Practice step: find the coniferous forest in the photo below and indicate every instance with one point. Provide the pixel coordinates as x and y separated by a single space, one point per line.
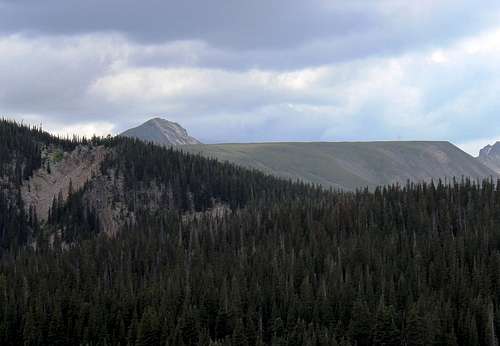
280 263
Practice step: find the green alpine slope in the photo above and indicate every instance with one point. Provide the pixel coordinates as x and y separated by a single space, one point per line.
351 165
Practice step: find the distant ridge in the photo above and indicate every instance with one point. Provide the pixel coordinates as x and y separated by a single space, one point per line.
340 165
352 165
162 132
490 156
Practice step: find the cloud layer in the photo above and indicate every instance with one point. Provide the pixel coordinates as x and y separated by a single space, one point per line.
261 71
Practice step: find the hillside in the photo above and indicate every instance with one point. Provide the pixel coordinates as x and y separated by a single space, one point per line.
351 165
147 245
104 184
161 132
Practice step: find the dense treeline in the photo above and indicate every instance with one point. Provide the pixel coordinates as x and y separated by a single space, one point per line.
73 219
15 225
182 181
286 264
149 177
21 149
192 182
21 153
416 266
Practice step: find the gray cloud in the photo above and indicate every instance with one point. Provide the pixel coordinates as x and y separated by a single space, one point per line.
229 23
256 70
260 33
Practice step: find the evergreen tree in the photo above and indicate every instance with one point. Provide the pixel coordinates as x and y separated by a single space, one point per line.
148 331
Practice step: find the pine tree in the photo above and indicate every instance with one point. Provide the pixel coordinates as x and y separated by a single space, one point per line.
148 331
385 331
239 337
417 333
361 323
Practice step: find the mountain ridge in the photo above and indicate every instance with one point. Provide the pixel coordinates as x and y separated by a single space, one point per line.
339 165
352 165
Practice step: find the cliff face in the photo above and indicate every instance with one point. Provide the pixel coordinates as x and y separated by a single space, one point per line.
77 170
106 193
60 170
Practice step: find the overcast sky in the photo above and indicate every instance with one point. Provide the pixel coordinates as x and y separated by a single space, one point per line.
259 70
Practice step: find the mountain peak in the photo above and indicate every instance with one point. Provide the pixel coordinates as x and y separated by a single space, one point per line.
490 150
161 131
490 156
161 121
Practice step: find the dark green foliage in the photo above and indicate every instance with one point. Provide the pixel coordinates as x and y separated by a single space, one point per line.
418 331
21 146
361 323
288 264
385 331
193 183
20 155
75 218
148 331
15 225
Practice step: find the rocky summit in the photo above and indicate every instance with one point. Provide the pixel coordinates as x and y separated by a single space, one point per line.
162 132
490 156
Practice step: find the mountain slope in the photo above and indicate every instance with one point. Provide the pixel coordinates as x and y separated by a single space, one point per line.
162 132
76 188
213 254
351 165
490 157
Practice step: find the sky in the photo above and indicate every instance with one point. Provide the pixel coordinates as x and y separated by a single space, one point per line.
254 71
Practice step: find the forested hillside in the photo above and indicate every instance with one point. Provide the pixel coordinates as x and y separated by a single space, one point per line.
213 254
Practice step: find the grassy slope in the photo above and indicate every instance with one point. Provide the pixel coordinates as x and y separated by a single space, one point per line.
351 165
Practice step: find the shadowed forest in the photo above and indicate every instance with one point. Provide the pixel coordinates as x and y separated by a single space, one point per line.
282 263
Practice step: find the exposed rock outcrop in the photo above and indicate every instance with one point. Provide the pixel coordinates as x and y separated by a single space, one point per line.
59 171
